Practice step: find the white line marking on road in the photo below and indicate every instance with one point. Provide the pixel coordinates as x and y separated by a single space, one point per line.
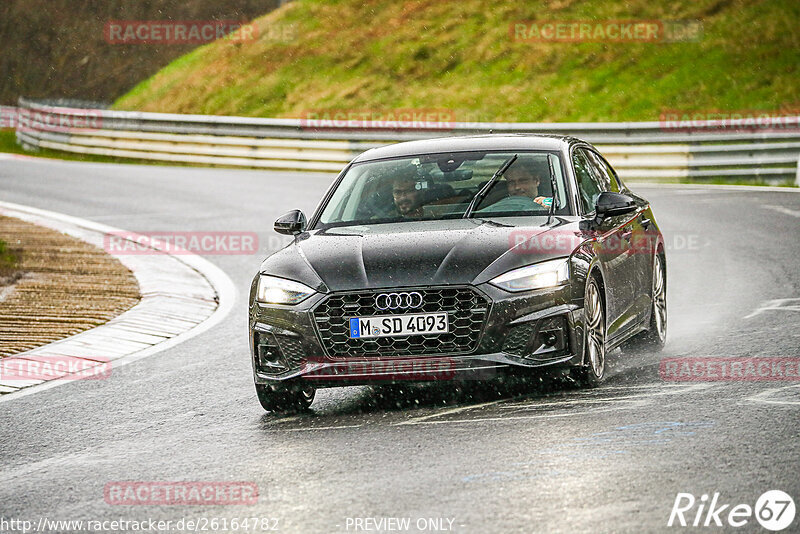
763 397
539 416
457 409
777 305
662 390
625 402
533 406
311 428
644 386
781 209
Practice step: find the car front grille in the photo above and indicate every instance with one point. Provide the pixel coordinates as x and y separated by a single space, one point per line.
466 308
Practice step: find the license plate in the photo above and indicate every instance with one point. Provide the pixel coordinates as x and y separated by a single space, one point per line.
398 325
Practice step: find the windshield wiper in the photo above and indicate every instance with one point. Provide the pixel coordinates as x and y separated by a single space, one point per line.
494 223
552 188
480 195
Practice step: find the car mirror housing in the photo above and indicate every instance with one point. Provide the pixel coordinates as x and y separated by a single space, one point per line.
291 223
609 204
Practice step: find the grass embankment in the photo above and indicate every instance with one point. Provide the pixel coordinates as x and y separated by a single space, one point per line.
384 55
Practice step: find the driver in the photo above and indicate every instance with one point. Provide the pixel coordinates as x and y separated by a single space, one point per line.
523 178
407 198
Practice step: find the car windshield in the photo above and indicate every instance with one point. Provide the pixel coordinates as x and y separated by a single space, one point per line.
442 186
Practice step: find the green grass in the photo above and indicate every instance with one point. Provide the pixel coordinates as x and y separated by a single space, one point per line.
381 55
9 260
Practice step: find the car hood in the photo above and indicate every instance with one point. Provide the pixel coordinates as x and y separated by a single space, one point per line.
458 251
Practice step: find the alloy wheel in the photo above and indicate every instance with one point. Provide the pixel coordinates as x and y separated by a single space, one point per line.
595 330
659 299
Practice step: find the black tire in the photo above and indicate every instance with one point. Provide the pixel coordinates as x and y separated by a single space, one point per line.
654 338
285 397
592 372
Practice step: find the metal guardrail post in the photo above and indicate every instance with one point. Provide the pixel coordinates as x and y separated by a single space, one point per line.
797 177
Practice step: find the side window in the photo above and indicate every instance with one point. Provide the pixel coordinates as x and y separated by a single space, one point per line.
605 171
589 182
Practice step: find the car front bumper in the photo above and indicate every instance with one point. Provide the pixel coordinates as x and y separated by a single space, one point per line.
532 329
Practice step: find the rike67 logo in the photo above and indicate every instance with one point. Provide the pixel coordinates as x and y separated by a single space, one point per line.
774 510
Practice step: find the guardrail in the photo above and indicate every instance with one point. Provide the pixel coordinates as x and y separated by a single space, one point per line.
708 149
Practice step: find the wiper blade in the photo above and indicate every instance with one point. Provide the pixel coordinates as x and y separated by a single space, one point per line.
497 223
480 195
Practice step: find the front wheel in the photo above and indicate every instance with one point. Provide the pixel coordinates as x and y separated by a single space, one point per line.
592 372
285 397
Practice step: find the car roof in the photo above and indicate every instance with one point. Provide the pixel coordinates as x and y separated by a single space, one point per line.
471 143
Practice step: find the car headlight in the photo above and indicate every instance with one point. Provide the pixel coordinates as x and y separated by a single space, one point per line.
539 276
273 290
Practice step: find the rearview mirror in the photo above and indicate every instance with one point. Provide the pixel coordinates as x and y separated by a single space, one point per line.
458 175
292 223
609 204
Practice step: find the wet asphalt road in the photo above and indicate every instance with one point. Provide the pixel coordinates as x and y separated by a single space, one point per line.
477 458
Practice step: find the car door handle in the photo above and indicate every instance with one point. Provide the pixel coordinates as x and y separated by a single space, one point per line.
646 223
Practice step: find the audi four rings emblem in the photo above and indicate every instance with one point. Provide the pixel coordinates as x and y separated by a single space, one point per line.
396 301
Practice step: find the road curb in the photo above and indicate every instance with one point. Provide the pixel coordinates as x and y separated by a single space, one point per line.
182 295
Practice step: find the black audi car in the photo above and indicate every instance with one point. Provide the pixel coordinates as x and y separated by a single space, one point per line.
448 258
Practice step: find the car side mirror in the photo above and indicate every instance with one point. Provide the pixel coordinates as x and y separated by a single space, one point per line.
292 223
609 204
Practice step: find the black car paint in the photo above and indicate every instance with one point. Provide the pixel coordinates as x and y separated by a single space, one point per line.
471 252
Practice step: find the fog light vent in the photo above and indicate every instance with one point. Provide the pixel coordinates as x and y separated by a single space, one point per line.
541 340
268 355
